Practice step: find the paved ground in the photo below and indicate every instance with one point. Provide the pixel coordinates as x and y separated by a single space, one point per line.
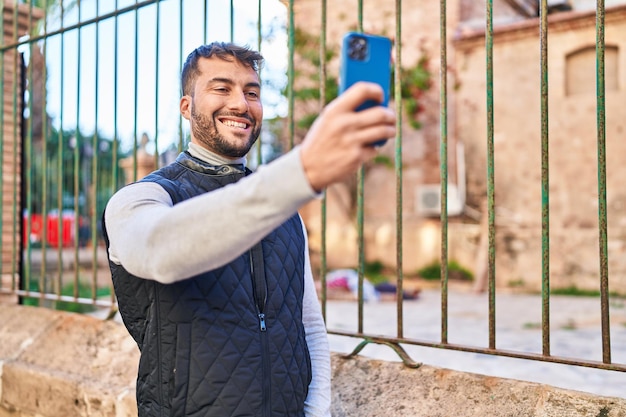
575 332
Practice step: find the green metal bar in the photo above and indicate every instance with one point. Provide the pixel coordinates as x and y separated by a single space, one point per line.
232 21
115 162
360 200
157 42
324 208
206 20
404 356
115 151
80 24
16 216
93 206
60 166
290 75
28 164
399 171
77 170
2 138
488 351
361 242
545 182
136 95
65 298
259 44
181 139
602 207
491 179
44 159
259 27
443 152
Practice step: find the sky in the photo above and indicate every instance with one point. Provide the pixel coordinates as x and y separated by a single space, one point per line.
82 64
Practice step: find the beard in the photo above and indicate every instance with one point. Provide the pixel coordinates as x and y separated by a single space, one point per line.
204 129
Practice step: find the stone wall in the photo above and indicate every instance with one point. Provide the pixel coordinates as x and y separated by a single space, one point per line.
56 364
573 146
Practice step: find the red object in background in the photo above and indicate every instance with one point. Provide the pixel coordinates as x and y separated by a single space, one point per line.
67 229
36 229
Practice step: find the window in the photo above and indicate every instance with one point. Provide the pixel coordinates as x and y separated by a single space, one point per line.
580 70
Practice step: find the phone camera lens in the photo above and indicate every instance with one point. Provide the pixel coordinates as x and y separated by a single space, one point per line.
358 48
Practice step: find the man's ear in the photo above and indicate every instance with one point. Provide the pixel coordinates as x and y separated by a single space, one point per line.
185 107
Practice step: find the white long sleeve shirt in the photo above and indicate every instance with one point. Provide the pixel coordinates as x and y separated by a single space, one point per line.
210 230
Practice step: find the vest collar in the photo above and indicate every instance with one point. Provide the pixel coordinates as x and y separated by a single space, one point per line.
199 165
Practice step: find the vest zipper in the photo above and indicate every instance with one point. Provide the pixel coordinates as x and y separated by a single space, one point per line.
259 284
262 320
259 289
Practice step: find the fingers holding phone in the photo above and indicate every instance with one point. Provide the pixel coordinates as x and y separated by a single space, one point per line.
351 127
342 139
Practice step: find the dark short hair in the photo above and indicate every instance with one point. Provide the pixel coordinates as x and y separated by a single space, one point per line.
223 50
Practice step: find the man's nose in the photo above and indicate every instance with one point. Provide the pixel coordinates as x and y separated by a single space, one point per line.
238 102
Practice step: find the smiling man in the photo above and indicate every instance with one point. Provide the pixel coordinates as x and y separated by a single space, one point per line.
210 261
229 130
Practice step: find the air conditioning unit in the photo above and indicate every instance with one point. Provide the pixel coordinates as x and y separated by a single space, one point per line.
559 6
429 200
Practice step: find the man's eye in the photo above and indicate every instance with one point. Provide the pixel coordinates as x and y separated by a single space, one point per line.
253 94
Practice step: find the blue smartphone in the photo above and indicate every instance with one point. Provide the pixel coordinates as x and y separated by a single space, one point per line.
366 57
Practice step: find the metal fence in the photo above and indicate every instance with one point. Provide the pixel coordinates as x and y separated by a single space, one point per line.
88 92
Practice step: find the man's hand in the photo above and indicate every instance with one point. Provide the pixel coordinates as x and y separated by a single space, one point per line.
341 139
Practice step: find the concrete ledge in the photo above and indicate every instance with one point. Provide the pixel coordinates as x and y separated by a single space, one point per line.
62 364
55 364
364 387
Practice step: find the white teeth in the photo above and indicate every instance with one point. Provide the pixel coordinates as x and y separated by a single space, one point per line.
232 123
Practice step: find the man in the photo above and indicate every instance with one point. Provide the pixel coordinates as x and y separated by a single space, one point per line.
210 262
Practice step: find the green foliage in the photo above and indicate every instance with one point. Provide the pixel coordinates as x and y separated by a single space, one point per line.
307 121
308 49
456 271
574 291
374 267
374 271
65 177
415 82
519 283
53 9
384 160
52 6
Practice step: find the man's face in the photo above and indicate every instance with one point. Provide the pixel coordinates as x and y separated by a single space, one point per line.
225 110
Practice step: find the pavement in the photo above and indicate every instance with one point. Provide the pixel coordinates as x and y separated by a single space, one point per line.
575 333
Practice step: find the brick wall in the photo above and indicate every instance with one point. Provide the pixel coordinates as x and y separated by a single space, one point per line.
11 140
